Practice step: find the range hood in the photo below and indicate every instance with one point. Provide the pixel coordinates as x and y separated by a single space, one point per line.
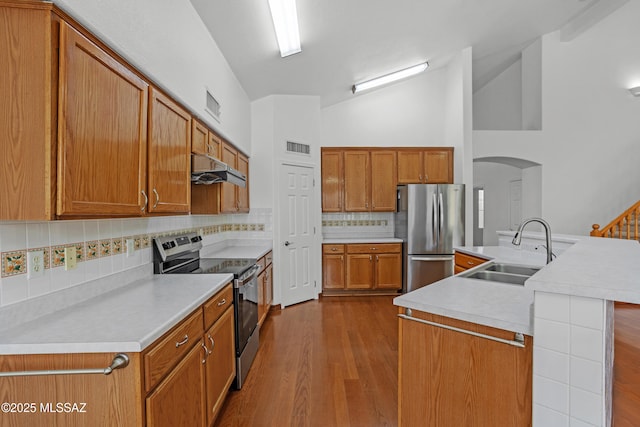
208 170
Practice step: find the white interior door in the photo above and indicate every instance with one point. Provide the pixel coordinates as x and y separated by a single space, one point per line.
297 207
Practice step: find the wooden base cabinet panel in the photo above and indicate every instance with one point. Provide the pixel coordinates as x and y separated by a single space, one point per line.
448 378
179 400
360 274
101 400
220 366
265 287
464 262
388 271
363 267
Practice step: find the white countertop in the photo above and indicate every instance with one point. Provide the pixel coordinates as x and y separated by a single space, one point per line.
254 250
126 319
348 240
594 268
507 255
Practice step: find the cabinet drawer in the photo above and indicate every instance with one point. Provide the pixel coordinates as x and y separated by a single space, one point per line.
468 261
268 258
170 349
332 249
214 308
262 263
374 248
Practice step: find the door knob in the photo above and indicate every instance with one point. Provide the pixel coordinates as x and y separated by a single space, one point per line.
287 243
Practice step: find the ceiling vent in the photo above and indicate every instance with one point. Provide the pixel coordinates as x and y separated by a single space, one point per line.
213 106
296 147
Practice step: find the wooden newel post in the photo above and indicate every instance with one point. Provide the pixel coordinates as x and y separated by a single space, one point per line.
596 231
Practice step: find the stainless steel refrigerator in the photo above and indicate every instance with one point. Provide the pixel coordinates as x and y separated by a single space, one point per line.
430 221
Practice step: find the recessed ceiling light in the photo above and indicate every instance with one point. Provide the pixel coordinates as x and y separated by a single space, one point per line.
397 75
285 22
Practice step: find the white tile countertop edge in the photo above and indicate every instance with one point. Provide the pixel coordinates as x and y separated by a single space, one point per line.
127 319
253 249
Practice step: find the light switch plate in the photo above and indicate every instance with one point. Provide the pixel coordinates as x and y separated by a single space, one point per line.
35 264
70 261
129 247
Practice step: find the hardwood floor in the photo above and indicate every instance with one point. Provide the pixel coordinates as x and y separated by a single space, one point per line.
626 366
333 362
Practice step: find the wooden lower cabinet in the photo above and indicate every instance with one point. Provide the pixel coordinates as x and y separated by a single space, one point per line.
464 262
181 379
265 287
362 267
449 378
179 399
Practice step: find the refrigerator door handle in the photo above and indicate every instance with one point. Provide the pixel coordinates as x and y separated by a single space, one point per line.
440 215
433 215
431 258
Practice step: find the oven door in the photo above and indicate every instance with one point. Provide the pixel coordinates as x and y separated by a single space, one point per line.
246 304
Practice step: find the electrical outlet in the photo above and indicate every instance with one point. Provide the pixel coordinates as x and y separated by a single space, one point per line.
70 261
35 264
129 247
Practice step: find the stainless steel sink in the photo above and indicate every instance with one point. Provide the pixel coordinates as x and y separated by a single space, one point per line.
514 269
502 273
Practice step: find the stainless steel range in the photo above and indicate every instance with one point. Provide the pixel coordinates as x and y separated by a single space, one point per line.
181 255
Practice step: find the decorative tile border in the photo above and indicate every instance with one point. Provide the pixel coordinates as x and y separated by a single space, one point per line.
14 263
355 223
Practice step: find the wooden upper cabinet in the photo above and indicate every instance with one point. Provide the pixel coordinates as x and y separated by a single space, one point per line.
425 166
357 181
332 165
169 167
102 138
242 193
214 145
27 112
438 166
199 137
229 155
383 180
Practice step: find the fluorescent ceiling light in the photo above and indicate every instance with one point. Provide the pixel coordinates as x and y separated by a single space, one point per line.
379 81
285 22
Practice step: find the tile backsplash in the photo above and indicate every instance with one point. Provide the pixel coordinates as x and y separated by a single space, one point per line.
101 246
356 224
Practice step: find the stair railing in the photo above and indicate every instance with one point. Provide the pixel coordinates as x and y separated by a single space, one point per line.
625 226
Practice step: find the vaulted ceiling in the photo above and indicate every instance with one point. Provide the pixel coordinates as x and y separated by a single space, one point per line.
347 41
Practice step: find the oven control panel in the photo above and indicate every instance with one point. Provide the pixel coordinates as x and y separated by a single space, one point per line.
168 246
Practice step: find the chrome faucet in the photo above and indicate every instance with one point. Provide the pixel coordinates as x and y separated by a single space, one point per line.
547 229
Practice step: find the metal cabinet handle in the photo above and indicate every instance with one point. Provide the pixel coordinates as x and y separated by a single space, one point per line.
223 302
377 259
374 249
420 177
334 249
213 343
184 341
206 353
146 201
157 198
370 258
120 361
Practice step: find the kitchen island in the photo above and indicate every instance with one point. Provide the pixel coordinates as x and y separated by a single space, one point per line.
570 319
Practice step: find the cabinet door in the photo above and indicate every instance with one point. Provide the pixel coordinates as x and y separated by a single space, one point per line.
388 271
199 137
27 105
102 132
359 271
215 143
262 314
383 181
220 365
242 194
268 284
357 182
438 167
179 400
228 191
410 167
332 181
169 150
333 271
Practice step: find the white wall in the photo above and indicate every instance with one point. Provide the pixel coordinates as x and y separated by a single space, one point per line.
167 41
498 104
590 143
408 113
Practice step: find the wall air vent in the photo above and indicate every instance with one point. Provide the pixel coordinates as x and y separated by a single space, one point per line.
296 147
213 106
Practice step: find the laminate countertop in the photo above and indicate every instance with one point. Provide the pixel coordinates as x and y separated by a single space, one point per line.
593 267
349 240
128 318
